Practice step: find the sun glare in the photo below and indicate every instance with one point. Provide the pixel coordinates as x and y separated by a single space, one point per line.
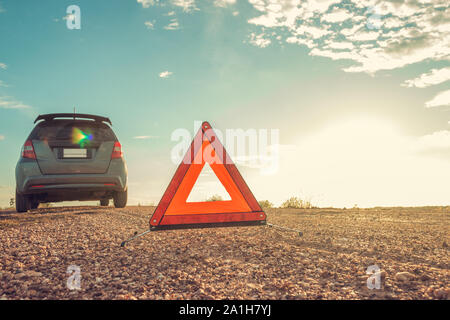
80 138
364 161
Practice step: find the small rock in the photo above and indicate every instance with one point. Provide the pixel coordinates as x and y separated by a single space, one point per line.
33 274
440 294
159 276
32 293
425 277
404 276
252 285
20 275
126 297
388 296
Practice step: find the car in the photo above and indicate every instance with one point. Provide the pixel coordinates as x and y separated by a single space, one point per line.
70 157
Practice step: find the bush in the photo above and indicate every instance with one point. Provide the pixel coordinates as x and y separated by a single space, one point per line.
297 203
265 204
215 198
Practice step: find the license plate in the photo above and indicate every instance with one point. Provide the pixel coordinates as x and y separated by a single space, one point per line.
75 153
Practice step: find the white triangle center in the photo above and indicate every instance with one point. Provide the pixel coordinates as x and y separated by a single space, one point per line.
207 187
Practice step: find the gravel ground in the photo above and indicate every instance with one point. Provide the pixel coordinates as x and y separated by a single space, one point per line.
410 246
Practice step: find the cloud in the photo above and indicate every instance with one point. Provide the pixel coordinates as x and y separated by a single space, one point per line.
340 45
337 15
165 74
186 5
3 84
171 13
3 66
259 40
436 140
307 42
333 55
266 162
145 137
150 25
173 25
435 76
364 36
2 137
147 3
224 3
314 32
385 35
440 100
11 103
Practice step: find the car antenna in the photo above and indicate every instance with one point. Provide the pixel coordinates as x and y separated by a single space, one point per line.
73 113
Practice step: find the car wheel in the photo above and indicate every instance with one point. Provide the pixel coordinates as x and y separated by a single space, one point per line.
34 204
22 202
120 199
104 202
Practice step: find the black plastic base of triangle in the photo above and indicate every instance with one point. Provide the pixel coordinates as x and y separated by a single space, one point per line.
208 225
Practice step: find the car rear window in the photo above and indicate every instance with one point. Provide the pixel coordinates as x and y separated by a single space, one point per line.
69 130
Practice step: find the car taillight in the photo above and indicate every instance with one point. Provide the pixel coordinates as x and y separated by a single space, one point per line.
117 151
28 150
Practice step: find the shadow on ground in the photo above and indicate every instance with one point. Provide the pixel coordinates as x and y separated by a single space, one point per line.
11 218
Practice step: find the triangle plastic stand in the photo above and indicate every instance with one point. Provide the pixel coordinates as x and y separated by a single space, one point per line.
174 212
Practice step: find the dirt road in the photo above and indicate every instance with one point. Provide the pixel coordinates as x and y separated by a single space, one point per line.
409 245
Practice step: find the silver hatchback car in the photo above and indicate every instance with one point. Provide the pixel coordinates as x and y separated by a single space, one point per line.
71 157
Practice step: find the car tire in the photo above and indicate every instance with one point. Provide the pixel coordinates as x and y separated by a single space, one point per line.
104 202
34 204
22 202
120 199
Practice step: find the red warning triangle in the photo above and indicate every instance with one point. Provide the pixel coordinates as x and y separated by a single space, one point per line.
174 211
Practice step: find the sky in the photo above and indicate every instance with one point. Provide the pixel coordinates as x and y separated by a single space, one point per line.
357 90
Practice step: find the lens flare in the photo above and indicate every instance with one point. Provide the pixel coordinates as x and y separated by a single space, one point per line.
80 138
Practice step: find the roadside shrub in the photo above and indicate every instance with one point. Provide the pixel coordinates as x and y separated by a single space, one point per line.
215 197
297 203
265 204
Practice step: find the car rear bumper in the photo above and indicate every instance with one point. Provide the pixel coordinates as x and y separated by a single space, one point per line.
30 180
71 192
41 184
